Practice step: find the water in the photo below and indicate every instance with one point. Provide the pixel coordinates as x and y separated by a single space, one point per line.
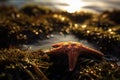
46 44
56 38
70 5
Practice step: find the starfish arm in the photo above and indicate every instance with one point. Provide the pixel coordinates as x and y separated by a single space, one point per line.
93 51
72 58
57 45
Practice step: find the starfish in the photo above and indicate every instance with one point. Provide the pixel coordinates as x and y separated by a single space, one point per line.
73 50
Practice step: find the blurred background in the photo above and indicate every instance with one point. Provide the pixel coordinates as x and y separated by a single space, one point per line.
69 5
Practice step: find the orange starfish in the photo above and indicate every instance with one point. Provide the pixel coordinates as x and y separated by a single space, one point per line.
73 50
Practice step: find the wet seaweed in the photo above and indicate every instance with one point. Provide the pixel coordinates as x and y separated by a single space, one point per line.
17 64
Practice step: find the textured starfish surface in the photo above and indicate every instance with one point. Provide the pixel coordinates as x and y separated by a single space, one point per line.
73 50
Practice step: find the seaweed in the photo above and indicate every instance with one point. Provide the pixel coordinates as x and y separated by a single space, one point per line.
17 64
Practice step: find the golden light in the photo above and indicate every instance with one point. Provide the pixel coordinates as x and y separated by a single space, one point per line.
88 31
84 26
109 30
74 5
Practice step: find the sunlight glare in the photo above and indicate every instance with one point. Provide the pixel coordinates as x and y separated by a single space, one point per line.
71 5
74 5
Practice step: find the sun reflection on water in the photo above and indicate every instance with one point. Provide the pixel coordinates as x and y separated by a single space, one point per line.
74 5
67 5
70 5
